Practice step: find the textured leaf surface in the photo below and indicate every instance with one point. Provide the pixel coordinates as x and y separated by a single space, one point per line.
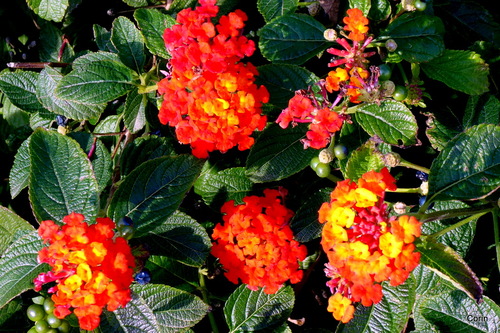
278 153
152 24
154 190
135 111
482 109
144 149
469 166
19 266
61 179
461 70
20 88
391 121
247 310
274 8
50 43
50 10
47 83
10 224
292 38
440 133
20 172
418 36
305 223
182 238
129 43
391 314
219 187
362 160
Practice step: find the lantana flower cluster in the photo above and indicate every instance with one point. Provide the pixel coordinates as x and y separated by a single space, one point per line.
209 95
255 244
92 268
363 244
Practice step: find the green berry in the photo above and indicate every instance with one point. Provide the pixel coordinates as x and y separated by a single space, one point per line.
385 72
51 330
126 232
323 170
32 330
314 162
35 312
38 300
420 5
42 326
64 328
53 321
340 151
400 93
48 305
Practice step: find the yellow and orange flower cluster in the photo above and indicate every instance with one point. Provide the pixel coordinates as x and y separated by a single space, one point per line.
351 78
255 243
92 268
209 95
364 246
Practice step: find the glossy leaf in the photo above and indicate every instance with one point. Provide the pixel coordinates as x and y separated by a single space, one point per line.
103 39
20 172
135 111
460 70
482 109
271 9
219 187
379 10
391 121
129 43
153 23
304 223
468 167
154 190
254 310
47 83
19 266
144 149
20 88
278 153
181 238
362 160
447 263
292 38
51 42
61 178
439 131
50 10
10 225
418 36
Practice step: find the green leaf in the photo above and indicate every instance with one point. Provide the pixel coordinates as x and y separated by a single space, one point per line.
100 159
481 109
153 23
449 265
154 190
461 70
136 3
129 43
61 178
391 121
47 83
454 311
271 9
278 153
135 111
391 314
219 187
20 88
362 160
102 38
305 223
283 80
160 308
19 266
363 5
468 167
50 10
10 225
51 43
95 81
418 36
247 310
292 38
379 10
144 149
439 131
10 309
181 238
177 274
20 172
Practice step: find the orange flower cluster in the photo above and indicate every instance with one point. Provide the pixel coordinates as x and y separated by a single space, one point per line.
209 96
364 246
92 268
323 121
351 79
255 243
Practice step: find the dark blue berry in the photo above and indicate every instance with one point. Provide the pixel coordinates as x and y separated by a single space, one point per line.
124 221
421 202
422 176
143 277
61 120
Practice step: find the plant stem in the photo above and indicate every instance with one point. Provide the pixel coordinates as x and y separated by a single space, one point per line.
334 178
410 165
405 190
496 231
450 213
457 225
206 299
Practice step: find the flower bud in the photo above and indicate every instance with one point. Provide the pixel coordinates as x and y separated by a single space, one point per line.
330 35
391 45
399 208
392 159
387 88
325 156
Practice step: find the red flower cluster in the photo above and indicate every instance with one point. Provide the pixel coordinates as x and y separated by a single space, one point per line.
323 121
364 246
256 245
209 96
92 268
